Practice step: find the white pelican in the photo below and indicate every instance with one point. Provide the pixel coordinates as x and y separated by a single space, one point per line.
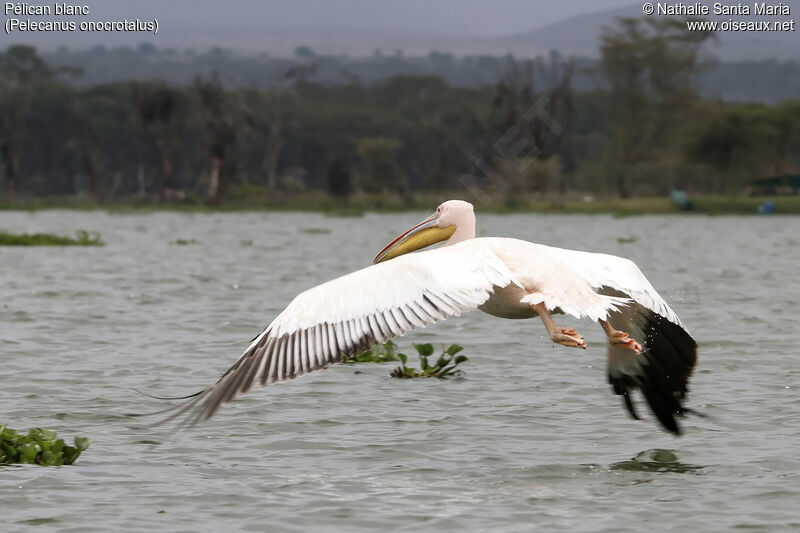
648 347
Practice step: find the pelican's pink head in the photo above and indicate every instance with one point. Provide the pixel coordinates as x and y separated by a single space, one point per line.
453 221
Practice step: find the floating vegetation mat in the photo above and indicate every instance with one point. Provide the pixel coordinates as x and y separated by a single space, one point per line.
185 242
387 352
82 238
38 447
380 353
444 366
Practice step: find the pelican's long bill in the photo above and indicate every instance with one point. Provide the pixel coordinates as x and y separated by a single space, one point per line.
420 236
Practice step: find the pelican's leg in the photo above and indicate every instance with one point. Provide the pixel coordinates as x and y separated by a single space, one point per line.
620 338
559 335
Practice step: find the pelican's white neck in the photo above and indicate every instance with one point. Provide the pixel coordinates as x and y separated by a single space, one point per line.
465 230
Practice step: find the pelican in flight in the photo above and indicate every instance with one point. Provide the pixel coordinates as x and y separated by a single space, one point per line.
648 347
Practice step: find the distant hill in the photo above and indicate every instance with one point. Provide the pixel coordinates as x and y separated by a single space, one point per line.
580 35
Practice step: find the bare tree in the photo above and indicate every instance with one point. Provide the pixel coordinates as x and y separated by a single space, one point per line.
158 105
220 129
274 143
539 118
84 143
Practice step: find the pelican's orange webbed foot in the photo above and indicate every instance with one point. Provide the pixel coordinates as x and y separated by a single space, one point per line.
567 337
621 339
559 335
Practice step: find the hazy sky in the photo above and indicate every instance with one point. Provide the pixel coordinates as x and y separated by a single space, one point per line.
453 17
332 26
473 17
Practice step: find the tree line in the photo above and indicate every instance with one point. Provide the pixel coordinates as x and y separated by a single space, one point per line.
644 131
766 80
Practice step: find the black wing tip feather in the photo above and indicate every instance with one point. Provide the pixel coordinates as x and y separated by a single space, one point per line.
670 357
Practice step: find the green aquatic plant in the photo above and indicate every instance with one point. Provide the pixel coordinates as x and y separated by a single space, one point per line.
627 240
82 238
39 447
444 366
185 242
380 353
656 460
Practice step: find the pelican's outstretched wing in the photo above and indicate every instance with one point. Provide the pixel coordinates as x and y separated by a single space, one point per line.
663 369
351 313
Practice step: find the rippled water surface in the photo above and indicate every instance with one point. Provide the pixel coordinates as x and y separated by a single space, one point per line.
530 437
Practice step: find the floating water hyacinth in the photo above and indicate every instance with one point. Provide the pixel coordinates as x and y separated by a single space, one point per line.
82 238
444 366
185 242
39 447
380 353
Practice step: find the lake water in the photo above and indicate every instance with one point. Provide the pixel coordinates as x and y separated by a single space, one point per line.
530 437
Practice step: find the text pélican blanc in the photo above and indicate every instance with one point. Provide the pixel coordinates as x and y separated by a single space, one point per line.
720 8
26 9
69 10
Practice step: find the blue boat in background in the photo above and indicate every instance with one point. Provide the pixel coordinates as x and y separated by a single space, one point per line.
767 208
681 200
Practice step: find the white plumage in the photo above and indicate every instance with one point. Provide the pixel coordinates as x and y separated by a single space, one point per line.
466 273
504 277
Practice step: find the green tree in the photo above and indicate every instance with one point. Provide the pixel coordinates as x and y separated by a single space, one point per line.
21 67
379 155
339 178
158 107
744 142
651 67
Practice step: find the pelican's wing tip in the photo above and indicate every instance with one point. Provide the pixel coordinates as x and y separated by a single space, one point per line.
661 372
186 397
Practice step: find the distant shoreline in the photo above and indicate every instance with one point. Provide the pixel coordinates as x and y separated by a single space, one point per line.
357 206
